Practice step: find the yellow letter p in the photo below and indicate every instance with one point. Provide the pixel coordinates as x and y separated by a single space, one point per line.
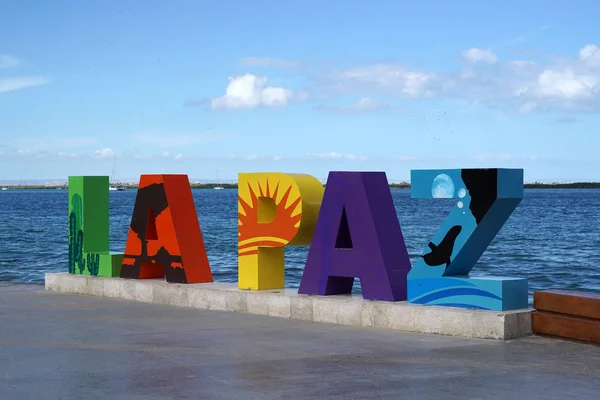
274 210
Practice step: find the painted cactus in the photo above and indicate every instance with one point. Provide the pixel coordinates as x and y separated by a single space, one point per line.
93 263
76 260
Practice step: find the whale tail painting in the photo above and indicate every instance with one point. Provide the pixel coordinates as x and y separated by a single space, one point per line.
440 254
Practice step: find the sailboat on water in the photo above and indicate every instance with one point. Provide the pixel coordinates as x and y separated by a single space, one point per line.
112 185
218 187
4 187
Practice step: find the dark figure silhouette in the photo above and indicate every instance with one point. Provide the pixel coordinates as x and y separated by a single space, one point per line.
482 185
441 253
150 202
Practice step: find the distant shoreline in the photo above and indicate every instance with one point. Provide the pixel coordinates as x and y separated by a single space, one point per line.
404 185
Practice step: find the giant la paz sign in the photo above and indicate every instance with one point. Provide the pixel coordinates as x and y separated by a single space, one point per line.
351 227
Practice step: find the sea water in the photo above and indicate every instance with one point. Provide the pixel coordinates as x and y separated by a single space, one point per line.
552 238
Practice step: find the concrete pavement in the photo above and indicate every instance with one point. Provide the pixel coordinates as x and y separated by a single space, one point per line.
57 346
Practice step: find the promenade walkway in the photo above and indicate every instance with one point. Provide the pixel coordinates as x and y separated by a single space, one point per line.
56 346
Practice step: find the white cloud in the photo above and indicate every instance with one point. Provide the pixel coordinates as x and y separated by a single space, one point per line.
475 55
522 85
269 62
567 84
566 87
335 156
253 157
105 153
363 105
62 154
179 156
355 157
39 153
251 91
590 54
387 78
11 84
7 61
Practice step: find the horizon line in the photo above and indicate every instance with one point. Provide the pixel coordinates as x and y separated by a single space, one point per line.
63 182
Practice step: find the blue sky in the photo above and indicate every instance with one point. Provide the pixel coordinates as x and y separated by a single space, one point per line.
307 86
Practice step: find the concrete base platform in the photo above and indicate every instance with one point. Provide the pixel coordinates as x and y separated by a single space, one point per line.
286 303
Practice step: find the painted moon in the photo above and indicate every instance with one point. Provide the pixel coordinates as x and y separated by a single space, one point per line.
442 187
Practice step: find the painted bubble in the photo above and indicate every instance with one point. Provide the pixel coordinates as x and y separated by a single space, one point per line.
442 187
460 204
462 192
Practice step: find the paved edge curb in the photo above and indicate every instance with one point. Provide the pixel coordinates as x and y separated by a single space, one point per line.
287 303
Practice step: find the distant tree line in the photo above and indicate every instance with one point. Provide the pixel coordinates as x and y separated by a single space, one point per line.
574 185
401 185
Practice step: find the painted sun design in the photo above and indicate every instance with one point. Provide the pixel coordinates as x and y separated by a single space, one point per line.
253 234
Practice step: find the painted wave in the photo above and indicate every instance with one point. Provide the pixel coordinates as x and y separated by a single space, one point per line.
451 292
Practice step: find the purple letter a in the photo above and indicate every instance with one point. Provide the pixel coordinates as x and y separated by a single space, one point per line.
357 235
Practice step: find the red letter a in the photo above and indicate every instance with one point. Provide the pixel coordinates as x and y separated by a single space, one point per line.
165 237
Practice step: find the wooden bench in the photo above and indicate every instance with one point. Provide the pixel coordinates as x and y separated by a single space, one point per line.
567 314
